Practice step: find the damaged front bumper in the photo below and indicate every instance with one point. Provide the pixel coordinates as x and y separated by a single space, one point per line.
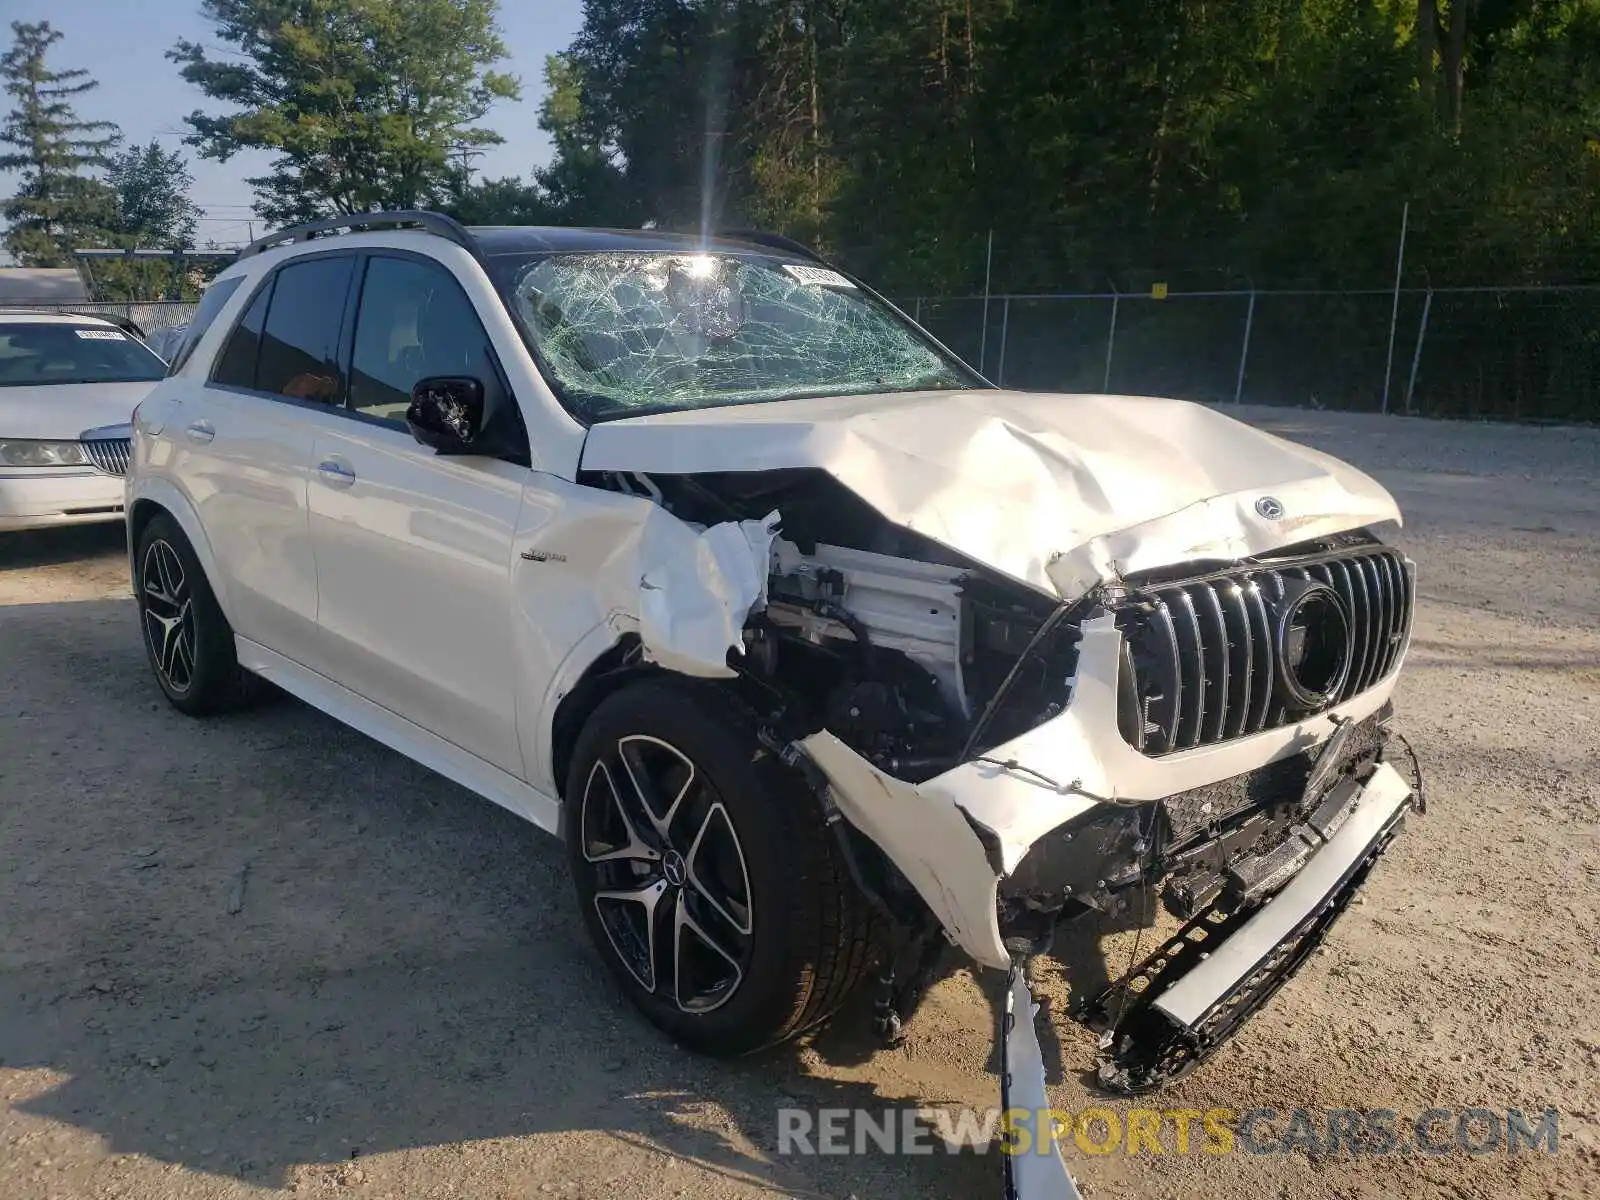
956 836
1219 982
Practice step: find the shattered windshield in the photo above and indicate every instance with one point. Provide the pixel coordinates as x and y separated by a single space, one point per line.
626 333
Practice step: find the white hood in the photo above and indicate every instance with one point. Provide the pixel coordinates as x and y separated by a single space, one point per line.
1058 491
61 411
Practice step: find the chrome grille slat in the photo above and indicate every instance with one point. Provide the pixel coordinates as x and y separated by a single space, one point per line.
109 455
1167 653
1192 662
1203 663
1369 577
1261 680
1236 620
1214 657
1358 620
1394 590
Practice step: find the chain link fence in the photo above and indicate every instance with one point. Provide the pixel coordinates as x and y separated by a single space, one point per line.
1512 353
148 315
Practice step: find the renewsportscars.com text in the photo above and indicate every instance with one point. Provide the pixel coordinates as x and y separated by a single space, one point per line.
1099 1130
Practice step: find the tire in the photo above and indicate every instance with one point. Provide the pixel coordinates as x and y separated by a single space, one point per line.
188 640
757 938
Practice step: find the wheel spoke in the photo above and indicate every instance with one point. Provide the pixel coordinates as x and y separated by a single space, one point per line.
183 656
171 643
171 571
154 590
602 789
629 919
638 754
155 579
728 875
687 933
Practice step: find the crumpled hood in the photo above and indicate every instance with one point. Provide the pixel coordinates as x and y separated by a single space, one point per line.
1059 491
61 411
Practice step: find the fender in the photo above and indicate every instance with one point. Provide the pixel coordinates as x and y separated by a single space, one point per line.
166 495
539 742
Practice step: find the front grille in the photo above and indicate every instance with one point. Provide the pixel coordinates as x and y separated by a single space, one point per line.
1200 659
108 454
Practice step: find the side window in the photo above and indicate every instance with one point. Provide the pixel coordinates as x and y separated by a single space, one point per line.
236 365
414 321
300 343
216 296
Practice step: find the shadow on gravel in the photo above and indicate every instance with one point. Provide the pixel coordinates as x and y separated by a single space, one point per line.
265 941
46 547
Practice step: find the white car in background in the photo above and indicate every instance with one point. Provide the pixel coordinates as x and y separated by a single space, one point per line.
68 387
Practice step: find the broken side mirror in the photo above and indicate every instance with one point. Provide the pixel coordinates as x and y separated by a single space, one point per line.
447 413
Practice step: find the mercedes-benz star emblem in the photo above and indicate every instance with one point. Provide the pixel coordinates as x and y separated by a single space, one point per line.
674 868
1270 507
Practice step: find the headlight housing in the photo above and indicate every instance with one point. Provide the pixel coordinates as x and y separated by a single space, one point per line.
20 452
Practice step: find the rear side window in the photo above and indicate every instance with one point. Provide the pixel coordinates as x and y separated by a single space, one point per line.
300 343
236 365
215 298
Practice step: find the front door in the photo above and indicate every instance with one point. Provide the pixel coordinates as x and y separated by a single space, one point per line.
414 550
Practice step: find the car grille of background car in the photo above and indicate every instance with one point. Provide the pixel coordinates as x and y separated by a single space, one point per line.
108 454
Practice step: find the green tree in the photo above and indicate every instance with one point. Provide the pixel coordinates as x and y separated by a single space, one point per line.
584 183
364 102
507 201
153 205
58 204
153 212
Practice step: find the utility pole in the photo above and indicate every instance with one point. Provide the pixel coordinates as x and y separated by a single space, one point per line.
988 270
1394 313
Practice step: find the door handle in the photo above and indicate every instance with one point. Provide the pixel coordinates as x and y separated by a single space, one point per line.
200 431
335 473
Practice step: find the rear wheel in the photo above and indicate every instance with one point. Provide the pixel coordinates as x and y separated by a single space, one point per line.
188 640
705 874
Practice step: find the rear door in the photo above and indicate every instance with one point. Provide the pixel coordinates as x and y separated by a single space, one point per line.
414 550
243 444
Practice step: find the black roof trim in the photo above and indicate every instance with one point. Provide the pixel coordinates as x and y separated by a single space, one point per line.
517 238
775 241
433 222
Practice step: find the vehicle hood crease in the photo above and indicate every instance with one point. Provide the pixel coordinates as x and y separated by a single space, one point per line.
1057 491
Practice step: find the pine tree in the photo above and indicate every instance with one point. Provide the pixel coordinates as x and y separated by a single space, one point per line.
59 205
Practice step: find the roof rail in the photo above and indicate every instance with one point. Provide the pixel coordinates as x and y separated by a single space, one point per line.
775 240
433 222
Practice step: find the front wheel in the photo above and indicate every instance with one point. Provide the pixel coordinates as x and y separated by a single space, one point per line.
705 874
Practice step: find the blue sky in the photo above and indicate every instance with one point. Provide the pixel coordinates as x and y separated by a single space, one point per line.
122 45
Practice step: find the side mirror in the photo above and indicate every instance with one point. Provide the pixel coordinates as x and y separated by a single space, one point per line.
446 413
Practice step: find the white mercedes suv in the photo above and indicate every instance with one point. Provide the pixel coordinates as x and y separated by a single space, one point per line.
817 649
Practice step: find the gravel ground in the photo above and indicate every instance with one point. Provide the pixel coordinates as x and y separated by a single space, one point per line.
403 1003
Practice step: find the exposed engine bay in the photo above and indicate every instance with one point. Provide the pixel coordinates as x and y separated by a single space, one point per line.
913 657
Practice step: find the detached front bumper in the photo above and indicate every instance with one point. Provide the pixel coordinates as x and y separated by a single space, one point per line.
41 497
1176 1025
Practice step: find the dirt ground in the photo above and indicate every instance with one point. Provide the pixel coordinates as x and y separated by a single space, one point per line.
403 1004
